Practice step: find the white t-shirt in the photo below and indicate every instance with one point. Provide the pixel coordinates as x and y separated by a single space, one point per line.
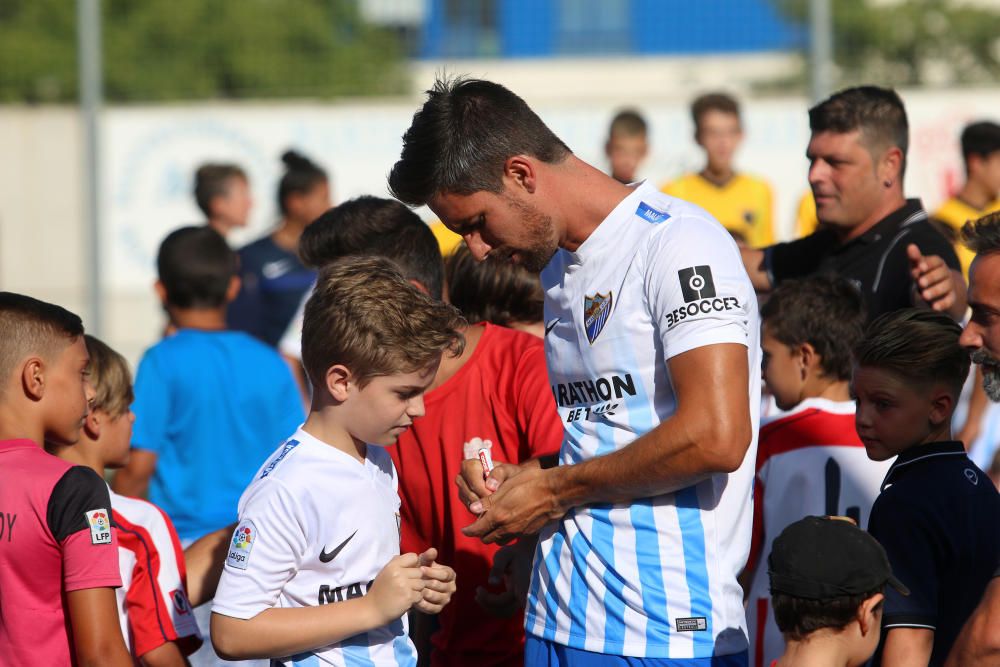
316 527
655 577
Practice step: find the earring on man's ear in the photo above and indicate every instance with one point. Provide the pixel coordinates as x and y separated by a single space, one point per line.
887 182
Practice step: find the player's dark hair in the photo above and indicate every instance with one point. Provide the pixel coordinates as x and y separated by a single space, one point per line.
214 180
30 326
918 345
713 102
374 226
982 236
300 177
797 617
110 378
196 265
493 290
827 312
629 123
366 316
461 137
878 113
982 139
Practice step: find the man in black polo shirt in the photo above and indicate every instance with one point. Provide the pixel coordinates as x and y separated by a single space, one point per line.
938 515
869 232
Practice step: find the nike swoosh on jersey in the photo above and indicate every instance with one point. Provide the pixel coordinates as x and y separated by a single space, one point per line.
551 325
325 557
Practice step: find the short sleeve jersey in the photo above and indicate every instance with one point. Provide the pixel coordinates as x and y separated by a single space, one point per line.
744 205
810 462
316 527
56 536
500 399
655 577
211 405
153 606
875 262
937 517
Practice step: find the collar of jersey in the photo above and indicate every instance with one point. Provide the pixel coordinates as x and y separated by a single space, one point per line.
890 224
17 443
330 451
926 452
602 238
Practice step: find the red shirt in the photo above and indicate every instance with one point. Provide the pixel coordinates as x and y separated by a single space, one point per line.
56 538
502 395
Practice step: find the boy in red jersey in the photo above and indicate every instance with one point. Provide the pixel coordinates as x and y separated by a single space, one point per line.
156 618
58 552
809 459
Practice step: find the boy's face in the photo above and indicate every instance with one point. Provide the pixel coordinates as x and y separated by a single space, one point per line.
985 169
67 393
892 413
116 438
625 153
783 370
388 404
310 205
234 206
720 134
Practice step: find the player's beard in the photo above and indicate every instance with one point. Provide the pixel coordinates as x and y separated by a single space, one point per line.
991 373
540 243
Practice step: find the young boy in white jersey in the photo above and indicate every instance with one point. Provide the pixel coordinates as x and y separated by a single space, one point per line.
157 621
810 460
314 572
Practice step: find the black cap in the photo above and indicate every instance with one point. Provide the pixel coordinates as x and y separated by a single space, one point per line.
818 558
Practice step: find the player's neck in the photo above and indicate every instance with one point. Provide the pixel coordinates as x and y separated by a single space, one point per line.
893 201
288 233
202 319
718 175
86 453
825 650
580 216
831 390
975 195
17 422
324 424
451 365
221 225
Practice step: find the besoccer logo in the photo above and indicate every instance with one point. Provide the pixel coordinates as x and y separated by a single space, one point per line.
242 537
696 283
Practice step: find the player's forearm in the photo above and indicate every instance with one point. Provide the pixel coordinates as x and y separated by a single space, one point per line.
753 262
167 654
287 631
979 643
908 647
205 559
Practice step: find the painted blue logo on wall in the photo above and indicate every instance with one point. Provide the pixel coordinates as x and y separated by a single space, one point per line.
596 310
647 212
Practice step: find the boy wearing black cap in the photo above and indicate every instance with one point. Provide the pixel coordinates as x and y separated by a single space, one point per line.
827 581
937 514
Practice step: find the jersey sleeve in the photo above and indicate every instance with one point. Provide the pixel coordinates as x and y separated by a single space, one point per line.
156 601
264 553
290 344
908 537
696 287
151 405
537 416
79 517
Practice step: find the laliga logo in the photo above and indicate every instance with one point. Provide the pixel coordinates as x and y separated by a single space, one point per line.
99 519
242 538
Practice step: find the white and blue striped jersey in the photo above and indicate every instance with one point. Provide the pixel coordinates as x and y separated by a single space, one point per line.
655 577
316 527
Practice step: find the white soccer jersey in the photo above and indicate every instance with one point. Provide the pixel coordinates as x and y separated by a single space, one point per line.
655 577
316 527
810 462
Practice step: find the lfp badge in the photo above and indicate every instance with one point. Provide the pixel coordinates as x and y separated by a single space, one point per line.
596 310
100 526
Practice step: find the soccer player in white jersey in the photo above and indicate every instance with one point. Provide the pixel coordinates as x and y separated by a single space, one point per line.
651 335
313 574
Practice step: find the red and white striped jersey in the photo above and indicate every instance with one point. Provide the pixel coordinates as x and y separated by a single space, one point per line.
153 607
810 462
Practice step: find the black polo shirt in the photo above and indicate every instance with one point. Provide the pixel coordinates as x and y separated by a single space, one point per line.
875 262
938 517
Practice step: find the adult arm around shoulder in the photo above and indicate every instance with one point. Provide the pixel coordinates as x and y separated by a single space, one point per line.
979 643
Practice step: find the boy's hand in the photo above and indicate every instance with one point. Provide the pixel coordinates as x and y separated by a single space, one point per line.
512 567
439 584
397 587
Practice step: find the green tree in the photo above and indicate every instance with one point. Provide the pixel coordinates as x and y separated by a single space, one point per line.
200 49
911 42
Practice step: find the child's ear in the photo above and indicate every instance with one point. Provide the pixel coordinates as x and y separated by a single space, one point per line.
92 424
33 378
868 617
161 291
807 353
338 382
234 289
942 405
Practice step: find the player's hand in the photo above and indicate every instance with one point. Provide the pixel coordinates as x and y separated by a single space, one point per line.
439 584
933 279
472 486
397 587
512 567
521 506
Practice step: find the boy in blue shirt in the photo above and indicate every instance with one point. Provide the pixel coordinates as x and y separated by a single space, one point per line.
210 404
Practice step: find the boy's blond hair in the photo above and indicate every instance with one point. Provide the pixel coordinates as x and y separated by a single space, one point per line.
110 378
364 315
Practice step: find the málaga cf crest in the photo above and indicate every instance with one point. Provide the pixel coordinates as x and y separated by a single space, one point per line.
596 310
